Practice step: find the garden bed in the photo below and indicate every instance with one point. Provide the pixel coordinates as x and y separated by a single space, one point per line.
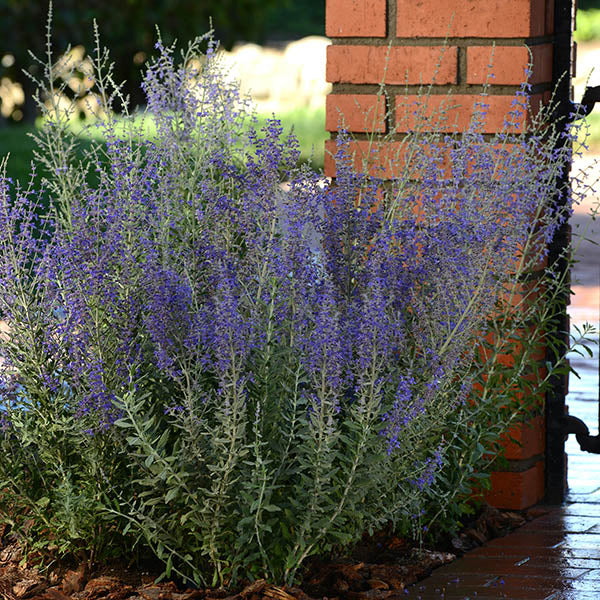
379 567
208 378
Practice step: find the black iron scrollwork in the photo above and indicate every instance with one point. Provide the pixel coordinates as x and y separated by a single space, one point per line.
587 442
573 111
590 97
571 424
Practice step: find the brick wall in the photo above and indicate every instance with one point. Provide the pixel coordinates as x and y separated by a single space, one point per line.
361 33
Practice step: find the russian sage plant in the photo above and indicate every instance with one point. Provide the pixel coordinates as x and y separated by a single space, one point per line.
233 373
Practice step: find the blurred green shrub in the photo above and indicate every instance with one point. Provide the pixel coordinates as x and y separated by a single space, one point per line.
128 29
588 25
294 20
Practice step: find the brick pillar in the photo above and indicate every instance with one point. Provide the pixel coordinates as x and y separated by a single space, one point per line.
362 30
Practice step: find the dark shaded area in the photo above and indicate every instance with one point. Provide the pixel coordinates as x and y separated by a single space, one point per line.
294 20
381 566
555 469
127 28
587 442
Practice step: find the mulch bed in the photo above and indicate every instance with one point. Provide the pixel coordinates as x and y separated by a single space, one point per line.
380 567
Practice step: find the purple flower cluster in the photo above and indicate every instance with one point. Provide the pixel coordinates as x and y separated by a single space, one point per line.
188 264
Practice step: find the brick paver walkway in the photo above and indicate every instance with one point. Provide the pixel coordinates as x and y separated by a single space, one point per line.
554 557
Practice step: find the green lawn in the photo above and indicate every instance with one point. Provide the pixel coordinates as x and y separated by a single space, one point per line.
15 142
588 25
309 127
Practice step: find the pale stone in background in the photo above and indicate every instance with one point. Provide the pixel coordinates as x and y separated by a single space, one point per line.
588 65
279 80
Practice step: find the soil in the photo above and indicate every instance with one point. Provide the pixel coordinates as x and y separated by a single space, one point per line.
380 567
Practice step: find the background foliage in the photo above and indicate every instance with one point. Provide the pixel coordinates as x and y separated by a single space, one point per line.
235 377
588 25
129 30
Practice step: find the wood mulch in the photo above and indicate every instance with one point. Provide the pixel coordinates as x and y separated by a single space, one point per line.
380 567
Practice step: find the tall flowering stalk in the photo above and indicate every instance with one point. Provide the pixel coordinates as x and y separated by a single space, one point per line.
244 376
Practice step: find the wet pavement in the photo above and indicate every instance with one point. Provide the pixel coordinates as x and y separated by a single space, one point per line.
553 557
556 556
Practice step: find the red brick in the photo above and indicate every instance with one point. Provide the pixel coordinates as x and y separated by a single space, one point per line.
516 491
459 111
470 18
521 296
549 17
508 64
391 158
511 349
360 112
407 64
355 18
530 439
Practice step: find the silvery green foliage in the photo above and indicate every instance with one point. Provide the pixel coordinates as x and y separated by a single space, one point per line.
239 375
